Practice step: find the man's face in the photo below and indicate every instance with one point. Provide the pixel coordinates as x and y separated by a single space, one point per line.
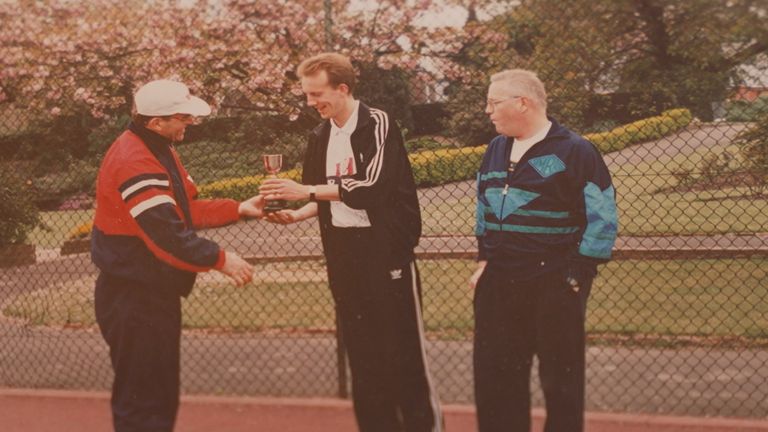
173 127
506 109
327 100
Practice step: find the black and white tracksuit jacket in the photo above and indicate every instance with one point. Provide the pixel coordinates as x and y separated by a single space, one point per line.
383 186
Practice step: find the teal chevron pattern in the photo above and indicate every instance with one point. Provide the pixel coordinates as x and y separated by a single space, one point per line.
515 199
547 165
602 225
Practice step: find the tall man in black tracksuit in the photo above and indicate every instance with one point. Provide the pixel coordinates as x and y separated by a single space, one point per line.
546 217
358 180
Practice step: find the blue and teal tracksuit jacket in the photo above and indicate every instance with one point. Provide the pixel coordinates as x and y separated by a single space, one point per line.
555 208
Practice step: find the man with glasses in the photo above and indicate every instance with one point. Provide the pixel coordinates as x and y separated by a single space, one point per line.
145 246
546 217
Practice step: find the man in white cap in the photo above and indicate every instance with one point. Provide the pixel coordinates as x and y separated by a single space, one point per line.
145 246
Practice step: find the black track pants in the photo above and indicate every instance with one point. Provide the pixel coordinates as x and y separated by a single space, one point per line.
513 321
380 314
143 331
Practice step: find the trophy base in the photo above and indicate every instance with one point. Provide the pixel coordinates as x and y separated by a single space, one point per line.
273 206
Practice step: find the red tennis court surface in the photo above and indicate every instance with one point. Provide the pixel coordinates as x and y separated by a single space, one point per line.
70 411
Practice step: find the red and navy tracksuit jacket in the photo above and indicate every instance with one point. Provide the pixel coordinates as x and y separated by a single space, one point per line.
555 206
147 212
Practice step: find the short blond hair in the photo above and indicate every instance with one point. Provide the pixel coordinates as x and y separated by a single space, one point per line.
526 83
338 67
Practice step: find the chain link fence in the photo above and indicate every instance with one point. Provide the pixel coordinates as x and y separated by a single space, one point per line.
675 94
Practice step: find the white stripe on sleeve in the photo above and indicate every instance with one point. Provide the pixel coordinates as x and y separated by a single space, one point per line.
374 168
151 202
143 184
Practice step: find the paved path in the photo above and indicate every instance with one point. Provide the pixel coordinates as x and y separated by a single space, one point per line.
686 141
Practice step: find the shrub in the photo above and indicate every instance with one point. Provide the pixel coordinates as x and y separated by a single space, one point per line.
642 130
241 188
422 143
745 111
753 146
51 189
431 168
20 216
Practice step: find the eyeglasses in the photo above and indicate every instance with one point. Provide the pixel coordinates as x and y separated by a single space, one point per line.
185 118
492 103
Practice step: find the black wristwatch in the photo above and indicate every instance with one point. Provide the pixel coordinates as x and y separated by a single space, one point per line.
312 191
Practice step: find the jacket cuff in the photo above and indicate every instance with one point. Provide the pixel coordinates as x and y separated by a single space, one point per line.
232 210
222 259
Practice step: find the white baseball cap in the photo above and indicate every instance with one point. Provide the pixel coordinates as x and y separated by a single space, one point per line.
165 97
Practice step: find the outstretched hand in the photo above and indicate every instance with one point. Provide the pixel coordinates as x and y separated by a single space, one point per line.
283 217
252 207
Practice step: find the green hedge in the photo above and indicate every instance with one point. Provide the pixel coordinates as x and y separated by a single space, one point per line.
746 111
642 130
436 167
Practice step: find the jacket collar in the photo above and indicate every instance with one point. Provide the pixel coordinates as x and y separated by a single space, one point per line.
363 118
557 130
151 138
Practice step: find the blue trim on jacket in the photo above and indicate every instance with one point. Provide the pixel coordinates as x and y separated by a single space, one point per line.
557 202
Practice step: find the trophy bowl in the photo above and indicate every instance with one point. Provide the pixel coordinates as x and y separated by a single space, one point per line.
273 163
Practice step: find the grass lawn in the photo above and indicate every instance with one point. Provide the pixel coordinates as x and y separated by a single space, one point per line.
710 298
646 205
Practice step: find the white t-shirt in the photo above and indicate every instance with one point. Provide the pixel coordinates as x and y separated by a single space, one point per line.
340 163
519 147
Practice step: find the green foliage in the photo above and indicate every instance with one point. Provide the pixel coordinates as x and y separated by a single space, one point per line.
467 121
386 89
435 166
60 155
656 55
753 146
50 141
422 143
209 161
241 188
641 130
746 111
53 188
20 216
431 168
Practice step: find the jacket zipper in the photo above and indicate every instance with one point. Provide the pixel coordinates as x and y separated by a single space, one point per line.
503 198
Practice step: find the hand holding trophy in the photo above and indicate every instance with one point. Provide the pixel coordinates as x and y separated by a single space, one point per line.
272 165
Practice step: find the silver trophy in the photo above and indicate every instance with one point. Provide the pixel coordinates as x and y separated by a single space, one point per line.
272 164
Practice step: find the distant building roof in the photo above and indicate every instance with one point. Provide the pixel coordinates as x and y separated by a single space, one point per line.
755 74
